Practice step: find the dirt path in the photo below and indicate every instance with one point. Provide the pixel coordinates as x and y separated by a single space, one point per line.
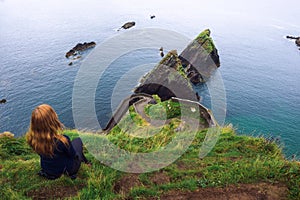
259 191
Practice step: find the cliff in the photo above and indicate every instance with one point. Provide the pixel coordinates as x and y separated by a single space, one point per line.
238 167
167 80
200 58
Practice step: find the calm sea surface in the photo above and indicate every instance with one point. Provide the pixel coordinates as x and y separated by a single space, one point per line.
260 68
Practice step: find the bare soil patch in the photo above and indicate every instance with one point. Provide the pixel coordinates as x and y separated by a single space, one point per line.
260 191
160 178
58 192
127 182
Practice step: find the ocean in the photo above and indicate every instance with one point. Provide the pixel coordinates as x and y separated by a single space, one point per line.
259 67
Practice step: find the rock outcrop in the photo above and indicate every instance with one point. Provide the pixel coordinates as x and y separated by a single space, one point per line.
200 58
167 80
2 101
172 76
7 134
127 25
79 48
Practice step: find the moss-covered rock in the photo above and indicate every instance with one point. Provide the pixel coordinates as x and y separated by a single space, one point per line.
167 79
200 58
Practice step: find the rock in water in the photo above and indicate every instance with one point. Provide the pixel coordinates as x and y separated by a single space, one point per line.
170 79
298 42
127 25
161 52
3 101
167 80
79 48
292 37
200 58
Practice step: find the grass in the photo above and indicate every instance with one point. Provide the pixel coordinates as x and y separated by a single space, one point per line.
235 159
206 41
170 109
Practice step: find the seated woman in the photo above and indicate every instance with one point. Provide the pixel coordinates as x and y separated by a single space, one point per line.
58 155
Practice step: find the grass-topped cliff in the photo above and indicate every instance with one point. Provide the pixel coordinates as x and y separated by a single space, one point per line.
238 166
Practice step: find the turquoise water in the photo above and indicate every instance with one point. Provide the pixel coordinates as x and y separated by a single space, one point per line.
260 68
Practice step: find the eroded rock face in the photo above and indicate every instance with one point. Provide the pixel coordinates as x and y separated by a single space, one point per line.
167 80
200 58
172 76
79 48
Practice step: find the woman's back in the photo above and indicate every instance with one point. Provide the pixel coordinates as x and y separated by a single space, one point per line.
61 161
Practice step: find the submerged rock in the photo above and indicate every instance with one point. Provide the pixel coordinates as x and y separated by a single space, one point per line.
79 48
200 58
127 25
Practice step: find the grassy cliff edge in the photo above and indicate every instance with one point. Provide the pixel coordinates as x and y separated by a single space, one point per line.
237 164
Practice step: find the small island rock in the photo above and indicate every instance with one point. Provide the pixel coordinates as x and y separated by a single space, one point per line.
2 101
127 25
79 48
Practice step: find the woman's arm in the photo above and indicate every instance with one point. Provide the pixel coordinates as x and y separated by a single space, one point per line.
69 149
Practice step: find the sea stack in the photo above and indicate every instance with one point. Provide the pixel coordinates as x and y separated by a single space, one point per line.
200 58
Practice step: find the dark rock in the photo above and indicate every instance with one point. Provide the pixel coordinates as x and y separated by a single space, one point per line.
200 58
2 101
167 80
298 42
198 97
152 16
152 101
292 37
71 63
127 25
161 51
79 48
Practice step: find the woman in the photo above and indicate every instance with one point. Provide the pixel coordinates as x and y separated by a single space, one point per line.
58 154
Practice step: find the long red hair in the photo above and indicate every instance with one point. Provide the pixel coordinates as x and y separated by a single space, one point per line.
44 130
